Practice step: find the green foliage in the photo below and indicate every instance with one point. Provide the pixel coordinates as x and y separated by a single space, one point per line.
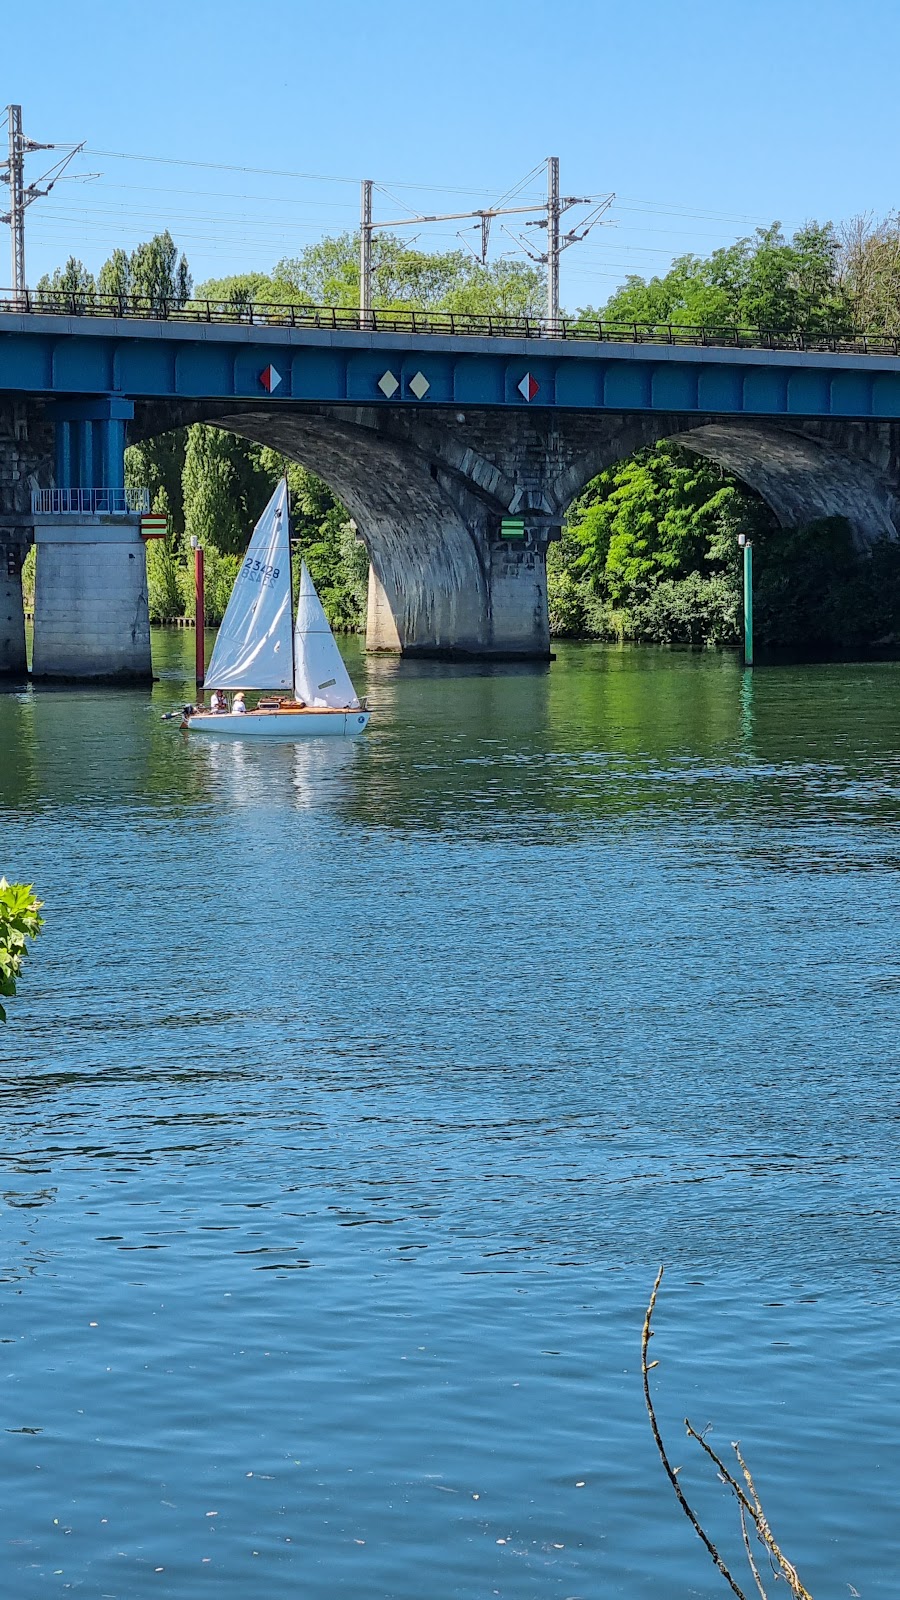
158 465
660 515
219 573
19 922
222 488
651 554
567 592
242 289
703 612
813 590
403 278
767 281
164 585
155 271
339 564
73 279
115 275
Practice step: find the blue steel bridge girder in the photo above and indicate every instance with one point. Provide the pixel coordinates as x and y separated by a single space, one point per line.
89 441
58 356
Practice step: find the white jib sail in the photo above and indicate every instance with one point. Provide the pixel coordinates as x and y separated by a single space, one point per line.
320 677
253 645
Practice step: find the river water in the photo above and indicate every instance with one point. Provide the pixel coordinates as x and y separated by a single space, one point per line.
355 1092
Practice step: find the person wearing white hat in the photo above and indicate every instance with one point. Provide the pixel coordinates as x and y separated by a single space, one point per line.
237 704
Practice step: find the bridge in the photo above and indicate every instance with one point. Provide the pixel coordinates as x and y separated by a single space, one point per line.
433 429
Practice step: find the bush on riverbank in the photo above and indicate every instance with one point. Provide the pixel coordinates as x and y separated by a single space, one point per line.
20 921
815 591
650 555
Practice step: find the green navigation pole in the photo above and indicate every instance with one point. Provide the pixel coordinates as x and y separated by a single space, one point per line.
747 548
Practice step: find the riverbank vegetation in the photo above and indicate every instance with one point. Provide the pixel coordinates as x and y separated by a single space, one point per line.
649 548
20 921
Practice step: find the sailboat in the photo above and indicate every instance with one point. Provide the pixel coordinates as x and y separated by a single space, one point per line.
260 646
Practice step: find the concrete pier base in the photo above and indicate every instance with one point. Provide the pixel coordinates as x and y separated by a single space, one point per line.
91 621
519 620
13 549
500 614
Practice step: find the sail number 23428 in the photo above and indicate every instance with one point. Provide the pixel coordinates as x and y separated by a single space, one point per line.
259 572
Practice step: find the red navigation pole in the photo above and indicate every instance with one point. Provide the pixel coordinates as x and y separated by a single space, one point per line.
199 613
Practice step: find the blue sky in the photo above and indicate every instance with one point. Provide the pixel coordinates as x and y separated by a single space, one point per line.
705 118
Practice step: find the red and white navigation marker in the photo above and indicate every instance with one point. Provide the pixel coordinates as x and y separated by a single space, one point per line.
270 379
529 386
154 525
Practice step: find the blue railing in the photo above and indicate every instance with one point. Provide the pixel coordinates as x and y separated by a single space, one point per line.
90 502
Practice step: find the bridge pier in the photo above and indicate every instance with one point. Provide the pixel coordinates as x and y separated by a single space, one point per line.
13 550
91 619
505 617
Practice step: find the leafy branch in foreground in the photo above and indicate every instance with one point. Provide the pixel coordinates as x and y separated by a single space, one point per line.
749 1504
19 922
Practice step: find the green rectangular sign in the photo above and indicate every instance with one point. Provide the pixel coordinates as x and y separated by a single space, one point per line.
512 528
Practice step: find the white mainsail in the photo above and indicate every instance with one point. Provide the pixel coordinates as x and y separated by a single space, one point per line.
253 645
320 677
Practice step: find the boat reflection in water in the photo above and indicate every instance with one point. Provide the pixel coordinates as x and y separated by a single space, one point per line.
303 775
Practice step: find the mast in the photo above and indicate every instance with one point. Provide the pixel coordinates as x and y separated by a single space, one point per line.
287 512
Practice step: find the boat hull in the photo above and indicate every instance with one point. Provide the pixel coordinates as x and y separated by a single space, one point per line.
279 724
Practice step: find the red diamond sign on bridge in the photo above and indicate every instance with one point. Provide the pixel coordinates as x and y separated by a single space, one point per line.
529 386
270 379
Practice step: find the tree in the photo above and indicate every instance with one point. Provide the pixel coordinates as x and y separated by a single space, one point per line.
115 274
767 281
158 465
213 512
158 273
243 289
661 514
73 279
869 267
164 586
327 273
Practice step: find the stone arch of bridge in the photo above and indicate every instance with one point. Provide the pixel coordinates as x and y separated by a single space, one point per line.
427 503
424 529
427 488
800 474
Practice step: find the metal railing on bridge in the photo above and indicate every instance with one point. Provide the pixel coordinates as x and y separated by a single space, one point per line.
260 313
90 502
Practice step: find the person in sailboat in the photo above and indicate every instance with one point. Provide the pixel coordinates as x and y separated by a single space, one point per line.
218 703
237 705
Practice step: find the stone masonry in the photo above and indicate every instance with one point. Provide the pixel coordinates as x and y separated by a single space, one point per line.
25 452
428 487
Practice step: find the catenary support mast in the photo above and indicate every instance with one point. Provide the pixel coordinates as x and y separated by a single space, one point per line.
12 171
365 249
553 214
552 209
16 169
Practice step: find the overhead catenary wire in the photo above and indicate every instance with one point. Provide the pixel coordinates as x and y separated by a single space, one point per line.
224 220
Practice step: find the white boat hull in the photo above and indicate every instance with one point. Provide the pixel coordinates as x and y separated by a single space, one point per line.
279 724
